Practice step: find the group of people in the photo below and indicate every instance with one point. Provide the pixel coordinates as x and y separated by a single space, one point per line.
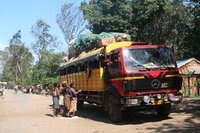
28 89
64 99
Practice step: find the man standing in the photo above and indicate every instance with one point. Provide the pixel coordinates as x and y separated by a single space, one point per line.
55 96
16 88
66 96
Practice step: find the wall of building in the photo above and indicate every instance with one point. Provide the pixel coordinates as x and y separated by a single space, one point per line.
190 72
189 86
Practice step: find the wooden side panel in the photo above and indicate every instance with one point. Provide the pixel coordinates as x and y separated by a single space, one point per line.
86 81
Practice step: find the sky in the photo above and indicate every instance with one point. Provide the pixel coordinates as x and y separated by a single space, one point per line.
23 14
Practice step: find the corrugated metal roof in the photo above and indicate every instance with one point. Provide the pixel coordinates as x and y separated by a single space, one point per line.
185 61
186 66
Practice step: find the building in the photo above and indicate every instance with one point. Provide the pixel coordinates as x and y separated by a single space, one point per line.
190 71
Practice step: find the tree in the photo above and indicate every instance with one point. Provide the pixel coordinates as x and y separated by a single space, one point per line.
43 39
17 60
3 59
154 21
162 22
192 41
109 15
71 22
46 72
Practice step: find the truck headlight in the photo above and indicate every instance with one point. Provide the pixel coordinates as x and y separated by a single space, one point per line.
178 98
146 99
159 96
166 98
171 97
130 102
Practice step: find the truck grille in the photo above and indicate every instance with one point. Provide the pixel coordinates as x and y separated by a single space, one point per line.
153 84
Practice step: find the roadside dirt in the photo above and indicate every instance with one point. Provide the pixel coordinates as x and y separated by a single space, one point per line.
30 113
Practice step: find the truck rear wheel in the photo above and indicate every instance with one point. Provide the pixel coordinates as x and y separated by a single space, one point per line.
164 110
114 110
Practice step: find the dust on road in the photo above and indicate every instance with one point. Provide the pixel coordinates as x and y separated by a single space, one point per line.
30 113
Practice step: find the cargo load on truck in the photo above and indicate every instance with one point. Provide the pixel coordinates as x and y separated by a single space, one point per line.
88 42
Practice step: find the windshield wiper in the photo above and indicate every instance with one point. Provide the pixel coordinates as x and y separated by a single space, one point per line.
166 68
140 67
144 69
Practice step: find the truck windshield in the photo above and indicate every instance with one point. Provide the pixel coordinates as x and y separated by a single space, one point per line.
148 59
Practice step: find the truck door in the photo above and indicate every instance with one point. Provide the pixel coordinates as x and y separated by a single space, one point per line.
115 65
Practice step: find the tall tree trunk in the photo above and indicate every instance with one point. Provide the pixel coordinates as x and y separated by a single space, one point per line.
16 74
20 72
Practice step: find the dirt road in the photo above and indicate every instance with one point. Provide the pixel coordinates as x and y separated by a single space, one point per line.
30 113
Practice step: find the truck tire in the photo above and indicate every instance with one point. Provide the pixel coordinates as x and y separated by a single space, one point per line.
114 110
164 110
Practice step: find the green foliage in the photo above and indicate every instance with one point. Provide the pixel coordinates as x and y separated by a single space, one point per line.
108 15
155 21
162 22
17 60
192 41
46 71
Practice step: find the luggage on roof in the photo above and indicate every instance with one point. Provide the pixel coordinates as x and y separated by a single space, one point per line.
88 42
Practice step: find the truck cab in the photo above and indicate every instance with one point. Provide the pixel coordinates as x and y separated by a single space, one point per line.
142 76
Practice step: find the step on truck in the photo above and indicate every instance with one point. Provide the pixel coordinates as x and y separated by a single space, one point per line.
124 76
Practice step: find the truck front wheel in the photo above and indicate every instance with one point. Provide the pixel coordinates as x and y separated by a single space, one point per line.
114 110
164 110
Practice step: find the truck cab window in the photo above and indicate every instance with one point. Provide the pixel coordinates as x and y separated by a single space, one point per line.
115 60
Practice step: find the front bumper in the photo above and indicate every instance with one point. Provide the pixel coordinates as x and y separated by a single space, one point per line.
152 99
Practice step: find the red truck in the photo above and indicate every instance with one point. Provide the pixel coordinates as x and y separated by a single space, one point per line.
126 76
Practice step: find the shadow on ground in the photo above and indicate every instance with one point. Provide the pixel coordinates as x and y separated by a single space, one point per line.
191 107
98 114
50 115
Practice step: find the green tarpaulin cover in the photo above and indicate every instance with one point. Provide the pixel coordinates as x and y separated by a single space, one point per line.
89 41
